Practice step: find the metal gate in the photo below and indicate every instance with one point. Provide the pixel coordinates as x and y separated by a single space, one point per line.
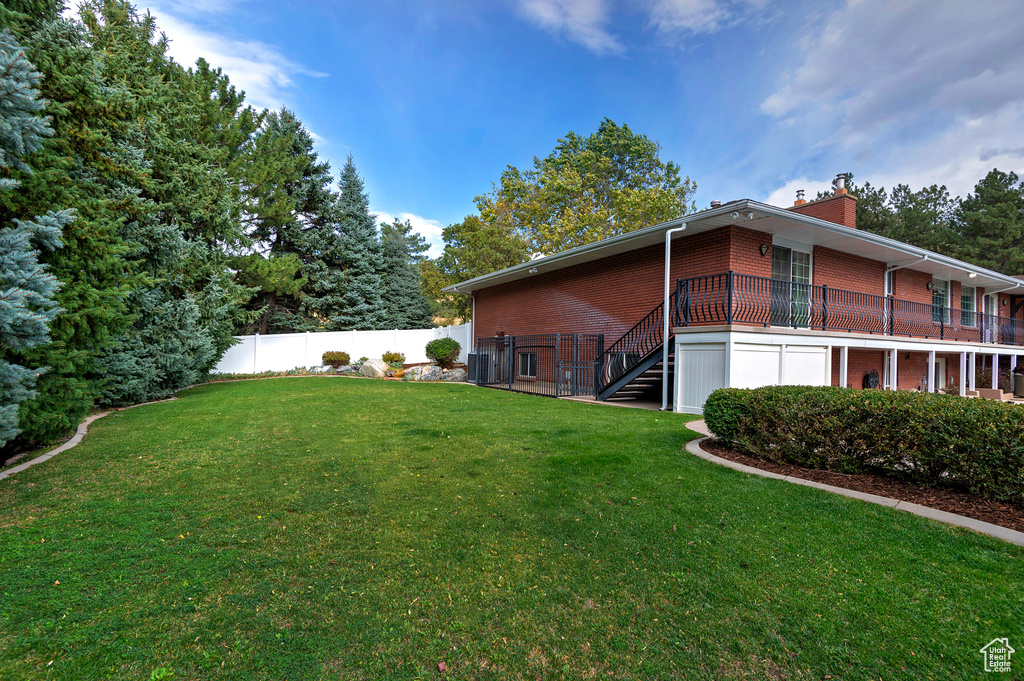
553 364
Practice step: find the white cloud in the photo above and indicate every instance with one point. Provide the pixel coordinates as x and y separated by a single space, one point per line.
261 70
911 91
428 229
701 16
785 195
582 21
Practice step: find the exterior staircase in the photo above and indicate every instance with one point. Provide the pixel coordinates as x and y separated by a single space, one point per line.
631 368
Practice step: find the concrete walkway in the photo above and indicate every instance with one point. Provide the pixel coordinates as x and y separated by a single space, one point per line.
80 433
997 531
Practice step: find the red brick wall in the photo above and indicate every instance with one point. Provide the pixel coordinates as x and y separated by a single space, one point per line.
612 294
841 210
848 272
911 371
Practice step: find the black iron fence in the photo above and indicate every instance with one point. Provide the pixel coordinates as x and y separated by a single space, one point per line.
732 298
554 364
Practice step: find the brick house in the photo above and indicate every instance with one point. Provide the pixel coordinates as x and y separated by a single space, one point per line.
757 295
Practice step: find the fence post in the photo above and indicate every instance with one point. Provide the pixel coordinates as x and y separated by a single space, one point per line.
728 292
511 360
255 349
558 364
824 307
599 364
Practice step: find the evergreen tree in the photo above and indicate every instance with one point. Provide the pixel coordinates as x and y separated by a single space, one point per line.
26 288
992 223
87 164
289 209
406 306
362 260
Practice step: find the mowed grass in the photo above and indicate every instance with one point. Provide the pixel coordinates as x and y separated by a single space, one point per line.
317 528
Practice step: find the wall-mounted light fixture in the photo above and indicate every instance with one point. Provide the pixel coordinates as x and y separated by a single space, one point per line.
972 275
1005 302
764 249
734 215
533 270
929 286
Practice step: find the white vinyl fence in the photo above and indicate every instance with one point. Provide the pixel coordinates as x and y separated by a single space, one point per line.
284 351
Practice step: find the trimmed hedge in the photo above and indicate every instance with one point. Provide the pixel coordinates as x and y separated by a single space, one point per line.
443 351
933 440
335 358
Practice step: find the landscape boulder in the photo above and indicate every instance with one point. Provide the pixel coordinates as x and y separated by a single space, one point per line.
430 372
347 369
455 375
374 368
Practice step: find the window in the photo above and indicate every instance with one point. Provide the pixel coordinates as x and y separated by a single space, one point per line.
527 365
790 288
967 297
940 301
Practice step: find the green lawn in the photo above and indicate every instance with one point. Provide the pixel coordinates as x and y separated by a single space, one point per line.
308 528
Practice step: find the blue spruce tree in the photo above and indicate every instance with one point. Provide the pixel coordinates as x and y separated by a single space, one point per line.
26 287
362 258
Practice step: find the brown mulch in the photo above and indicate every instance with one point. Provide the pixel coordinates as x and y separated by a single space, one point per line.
952 501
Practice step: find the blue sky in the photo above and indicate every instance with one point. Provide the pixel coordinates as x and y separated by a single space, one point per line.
753 98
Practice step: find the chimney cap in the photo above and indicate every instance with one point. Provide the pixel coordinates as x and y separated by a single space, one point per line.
799 198
716 204
840 183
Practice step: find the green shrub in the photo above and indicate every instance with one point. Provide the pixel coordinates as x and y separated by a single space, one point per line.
444 351
362 360
395 359
723 410
934 440
335 358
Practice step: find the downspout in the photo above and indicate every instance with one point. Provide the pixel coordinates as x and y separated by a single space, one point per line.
665 311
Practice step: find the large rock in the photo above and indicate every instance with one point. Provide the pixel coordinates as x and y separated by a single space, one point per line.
374 368
430 372
347 369
455 375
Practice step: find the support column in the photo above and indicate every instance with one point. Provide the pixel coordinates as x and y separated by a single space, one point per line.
893 365
828 365
844 365
963 374
1013 364
972 365
995 371
931 371
782 364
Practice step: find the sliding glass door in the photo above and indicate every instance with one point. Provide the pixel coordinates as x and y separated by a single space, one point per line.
791 287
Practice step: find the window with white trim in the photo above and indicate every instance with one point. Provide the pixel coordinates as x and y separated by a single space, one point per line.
940 301
527 365
968 294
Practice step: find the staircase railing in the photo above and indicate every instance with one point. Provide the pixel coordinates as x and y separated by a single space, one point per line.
638 343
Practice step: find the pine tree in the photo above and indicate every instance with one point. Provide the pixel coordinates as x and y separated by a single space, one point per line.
992 223
27 306
362 260
406 305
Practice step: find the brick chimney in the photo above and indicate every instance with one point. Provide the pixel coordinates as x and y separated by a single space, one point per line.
799 198
840 208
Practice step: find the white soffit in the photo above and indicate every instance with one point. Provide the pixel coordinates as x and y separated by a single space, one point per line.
787 224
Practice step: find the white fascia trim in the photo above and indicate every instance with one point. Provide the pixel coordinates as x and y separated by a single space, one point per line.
741 206
555 258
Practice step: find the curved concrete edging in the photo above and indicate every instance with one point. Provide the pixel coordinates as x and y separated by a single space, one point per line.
80 433
997 531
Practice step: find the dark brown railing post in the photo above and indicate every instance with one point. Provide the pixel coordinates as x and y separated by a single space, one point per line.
824 307
511 360
728 289
892 315
599 365
679 300
686 303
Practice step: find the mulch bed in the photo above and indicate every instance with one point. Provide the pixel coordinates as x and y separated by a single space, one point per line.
951 501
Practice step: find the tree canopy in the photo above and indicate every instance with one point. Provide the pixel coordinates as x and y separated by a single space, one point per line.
587 189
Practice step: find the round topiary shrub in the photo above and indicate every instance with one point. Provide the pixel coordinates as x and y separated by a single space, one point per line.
335 358
444 351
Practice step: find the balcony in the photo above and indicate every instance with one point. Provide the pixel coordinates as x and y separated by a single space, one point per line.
732 298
